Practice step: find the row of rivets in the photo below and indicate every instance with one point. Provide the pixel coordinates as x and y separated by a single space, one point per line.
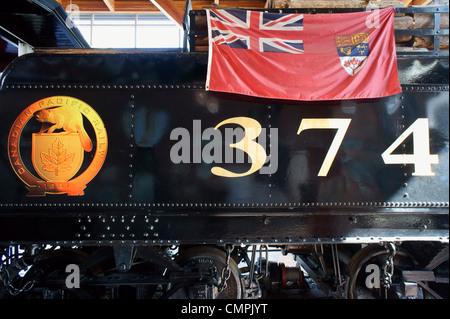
208 205
247 241
105 86
174 86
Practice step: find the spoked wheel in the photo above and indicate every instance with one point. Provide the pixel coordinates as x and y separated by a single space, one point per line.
216 280
366 267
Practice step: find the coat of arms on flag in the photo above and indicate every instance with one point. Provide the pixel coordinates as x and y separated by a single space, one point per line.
353 51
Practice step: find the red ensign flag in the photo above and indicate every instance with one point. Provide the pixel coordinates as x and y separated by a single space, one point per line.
303 56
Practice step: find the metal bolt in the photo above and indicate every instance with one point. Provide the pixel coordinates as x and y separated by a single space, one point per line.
122 267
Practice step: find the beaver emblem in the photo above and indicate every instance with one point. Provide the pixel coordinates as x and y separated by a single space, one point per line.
66 118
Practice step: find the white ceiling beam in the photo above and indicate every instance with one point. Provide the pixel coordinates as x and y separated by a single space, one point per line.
110 4
171 10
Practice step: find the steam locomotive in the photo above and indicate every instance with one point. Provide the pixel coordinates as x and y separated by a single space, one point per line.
156 199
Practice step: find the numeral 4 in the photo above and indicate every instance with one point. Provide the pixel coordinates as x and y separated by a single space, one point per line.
421 157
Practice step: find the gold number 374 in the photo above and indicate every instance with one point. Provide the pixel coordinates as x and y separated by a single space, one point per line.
421 157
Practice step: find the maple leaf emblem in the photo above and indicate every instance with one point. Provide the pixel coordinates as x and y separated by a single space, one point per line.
57 160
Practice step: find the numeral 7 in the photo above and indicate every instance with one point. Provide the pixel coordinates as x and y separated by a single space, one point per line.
340 124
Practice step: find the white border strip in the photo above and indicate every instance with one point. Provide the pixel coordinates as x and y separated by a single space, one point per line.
210 51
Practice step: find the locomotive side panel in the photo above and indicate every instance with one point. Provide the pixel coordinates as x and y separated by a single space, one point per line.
173 162
164 146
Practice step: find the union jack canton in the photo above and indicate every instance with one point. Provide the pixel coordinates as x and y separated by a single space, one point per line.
259 31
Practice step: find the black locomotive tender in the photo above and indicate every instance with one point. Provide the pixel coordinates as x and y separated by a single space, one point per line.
138 210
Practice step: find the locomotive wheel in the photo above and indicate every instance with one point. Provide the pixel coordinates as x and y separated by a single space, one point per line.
374 254
210 262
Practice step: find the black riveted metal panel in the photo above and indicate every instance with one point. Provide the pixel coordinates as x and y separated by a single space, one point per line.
142 195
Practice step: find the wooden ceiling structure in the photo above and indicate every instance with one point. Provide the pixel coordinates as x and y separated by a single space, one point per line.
174 9
38 28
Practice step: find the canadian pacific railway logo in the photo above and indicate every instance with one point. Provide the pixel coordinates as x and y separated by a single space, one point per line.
57 151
